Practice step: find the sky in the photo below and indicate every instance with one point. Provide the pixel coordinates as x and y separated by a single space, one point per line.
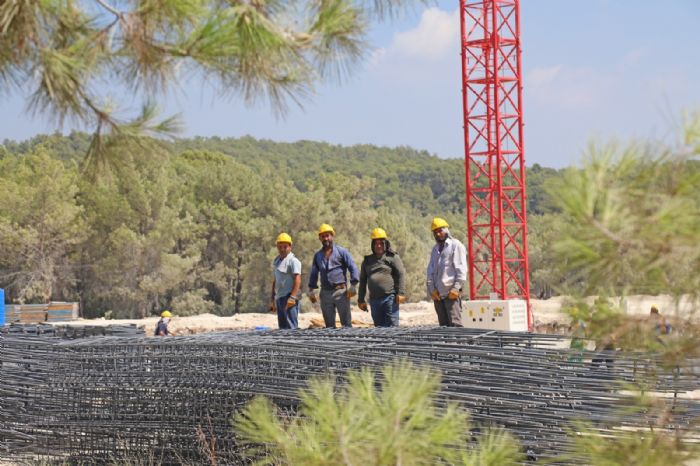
593 70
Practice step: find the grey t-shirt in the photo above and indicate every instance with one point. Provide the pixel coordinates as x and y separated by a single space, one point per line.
284 270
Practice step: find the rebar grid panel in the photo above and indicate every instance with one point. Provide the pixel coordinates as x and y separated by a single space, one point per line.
109 398
69 332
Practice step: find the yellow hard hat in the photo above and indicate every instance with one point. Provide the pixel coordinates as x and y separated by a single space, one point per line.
284 238
326 228
438 223
379 233
166 314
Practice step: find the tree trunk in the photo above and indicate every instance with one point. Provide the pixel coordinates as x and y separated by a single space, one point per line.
239 278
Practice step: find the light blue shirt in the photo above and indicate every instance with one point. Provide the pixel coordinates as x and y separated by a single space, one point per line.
284 270
447 269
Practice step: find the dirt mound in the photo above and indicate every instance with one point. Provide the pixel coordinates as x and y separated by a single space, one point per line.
547 316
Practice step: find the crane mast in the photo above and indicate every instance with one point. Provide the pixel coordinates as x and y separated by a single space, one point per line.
494 154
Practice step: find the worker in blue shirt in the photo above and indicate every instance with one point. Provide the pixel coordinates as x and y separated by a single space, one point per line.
286 270
333 262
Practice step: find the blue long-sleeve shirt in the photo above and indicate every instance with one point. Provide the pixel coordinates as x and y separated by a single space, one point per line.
333 270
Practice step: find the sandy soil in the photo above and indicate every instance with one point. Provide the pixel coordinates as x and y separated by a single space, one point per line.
547 314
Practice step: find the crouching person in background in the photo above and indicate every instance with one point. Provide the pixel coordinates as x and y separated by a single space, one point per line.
162 325
286 283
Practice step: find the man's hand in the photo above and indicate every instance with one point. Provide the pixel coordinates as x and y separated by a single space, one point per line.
272 306
312 297
351 292
435 295
454 294
400 299
362 306
291 302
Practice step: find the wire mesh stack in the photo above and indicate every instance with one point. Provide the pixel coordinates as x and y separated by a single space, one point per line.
111 398
69 332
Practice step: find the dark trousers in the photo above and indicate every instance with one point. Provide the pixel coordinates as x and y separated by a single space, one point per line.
385 311
287 318
449 312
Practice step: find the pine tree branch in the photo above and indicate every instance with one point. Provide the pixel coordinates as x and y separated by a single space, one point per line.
110 8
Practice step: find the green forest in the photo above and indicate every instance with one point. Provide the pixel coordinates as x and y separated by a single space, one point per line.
189 224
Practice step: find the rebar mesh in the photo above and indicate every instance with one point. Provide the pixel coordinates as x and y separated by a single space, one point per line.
109 398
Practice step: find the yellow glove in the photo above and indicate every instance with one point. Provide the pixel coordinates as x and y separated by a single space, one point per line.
362 306
352 291
435 295
291 302
400 299
312 297
453 294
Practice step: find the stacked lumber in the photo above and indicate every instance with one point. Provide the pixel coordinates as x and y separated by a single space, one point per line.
38 313
60 312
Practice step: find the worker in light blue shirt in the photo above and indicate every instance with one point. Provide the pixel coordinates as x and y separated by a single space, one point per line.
446 275
333 263
286 269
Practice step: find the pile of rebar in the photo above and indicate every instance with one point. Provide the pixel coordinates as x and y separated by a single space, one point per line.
110 398
70 332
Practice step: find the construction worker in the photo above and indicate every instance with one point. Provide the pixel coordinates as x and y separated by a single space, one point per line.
333 263
162 325
286 270
384 274
447 272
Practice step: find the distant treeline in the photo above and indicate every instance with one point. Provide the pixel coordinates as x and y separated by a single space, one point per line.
190 224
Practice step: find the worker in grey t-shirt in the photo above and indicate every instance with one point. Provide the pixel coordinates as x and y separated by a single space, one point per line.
286 284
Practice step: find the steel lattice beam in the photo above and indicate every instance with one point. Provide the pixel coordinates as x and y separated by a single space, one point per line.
494 155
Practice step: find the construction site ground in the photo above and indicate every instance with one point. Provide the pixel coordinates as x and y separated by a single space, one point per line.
548 316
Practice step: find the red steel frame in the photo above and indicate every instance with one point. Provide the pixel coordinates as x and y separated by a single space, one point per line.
494 155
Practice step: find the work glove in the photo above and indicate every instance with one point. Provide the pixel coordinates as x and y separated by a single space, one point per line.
272 307
351 292
312 297
435 295
362 306
400 299
291 302
454 294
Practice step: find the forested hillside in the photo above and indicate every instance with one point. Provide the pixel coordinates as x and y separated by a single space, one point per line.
190 224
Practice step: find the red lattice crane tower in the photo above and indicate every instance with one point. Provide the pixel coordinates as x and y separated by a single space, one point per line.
494 155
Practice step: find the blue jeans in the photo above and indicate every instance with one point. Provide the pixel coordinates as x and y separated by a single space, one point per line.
385 311
287 318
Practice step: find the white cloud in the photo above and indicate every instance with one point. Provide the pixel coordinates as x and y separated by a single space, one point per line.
634 57
376 57
436 34
543 76
571 88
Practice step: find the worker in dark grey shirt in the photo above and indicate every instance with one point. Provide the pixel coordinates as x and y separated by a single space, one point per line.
383 273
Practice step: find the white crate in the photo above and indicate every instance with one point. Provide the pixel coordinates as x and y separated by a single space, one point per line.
507 315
